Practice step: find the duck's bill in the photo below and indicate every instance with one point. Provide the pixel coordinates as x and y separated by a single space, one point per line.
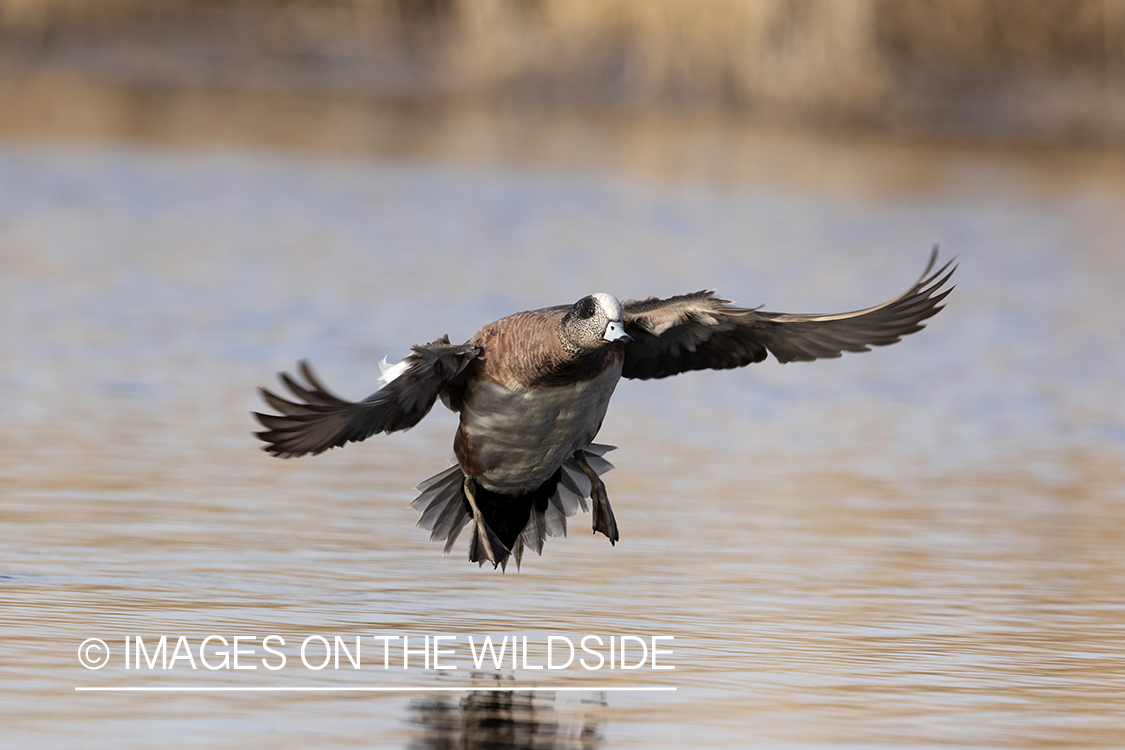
615 331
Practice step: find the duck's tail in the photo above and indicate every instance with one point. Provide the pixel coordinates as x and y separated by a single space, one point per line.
506 525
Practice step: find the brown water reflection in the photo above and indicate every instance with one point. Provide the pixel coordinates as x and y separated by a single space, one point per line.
914 547
503 719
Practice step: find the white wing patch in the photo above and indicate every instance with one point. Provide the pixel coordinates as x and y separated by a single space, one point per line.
388 372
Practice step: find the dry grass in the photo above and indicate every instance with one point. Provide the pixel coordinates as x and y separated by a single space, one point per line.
829 57
969 35
815 53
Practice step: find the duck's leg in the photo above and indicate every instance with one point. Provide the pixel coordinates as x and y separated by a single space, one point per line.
483 544
603 514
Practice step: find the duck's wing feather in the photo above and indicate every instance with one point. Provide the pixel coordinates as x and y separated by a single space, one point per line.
316 419
703 332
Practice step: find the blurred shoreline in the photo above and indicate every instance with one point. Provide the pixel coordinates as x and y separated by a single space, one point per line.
1044 74
707 149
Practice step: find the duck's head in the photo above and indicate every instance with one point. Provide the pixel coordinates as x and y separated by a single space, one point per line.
593 323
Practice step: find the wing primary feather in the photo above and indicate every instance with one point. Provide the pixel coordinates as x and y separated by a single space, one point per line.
701 331
317 419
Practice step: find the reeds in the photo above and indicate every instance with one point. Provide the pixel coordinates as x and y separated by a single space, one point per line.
832 57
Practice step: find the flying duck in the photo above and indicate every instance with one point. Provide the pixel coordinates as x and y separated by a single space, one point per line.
532 390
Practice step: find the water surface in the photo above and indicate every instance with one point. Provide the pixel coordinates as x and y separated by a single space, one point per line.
915 547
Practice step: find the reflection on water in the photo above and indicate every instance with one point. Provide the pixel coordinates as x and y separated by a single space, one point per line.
917 546
504 720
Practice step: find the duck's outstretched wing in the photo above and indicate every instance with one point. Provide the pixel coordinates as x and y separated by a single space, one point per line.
703 332
316 420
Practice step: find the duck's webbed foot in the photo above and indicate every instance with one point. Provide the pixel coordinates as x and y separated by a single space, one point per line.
484 546
603 513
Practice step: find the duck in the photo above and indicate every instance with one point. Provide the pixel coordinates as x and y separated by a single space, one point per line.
532 390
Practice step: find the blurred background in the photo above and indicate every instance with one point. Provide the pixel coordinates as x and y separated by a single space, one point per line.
1047 71
915 547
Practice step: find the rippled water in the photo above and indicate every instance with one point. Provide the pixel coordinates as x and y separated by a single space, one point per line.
914 547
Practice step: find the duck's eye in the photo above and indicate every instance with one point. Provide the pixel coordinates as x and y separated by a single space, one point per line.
586 308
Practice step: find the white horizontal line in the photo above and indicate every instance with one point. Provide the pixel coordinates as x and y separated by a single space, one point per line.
311 688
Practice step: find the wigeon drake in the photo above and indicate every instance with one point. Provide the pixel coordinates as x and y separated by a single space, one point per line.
532 390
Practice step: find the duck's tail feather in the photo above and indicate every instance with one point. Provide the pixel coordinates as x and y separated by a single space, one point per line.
443 506
508 525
